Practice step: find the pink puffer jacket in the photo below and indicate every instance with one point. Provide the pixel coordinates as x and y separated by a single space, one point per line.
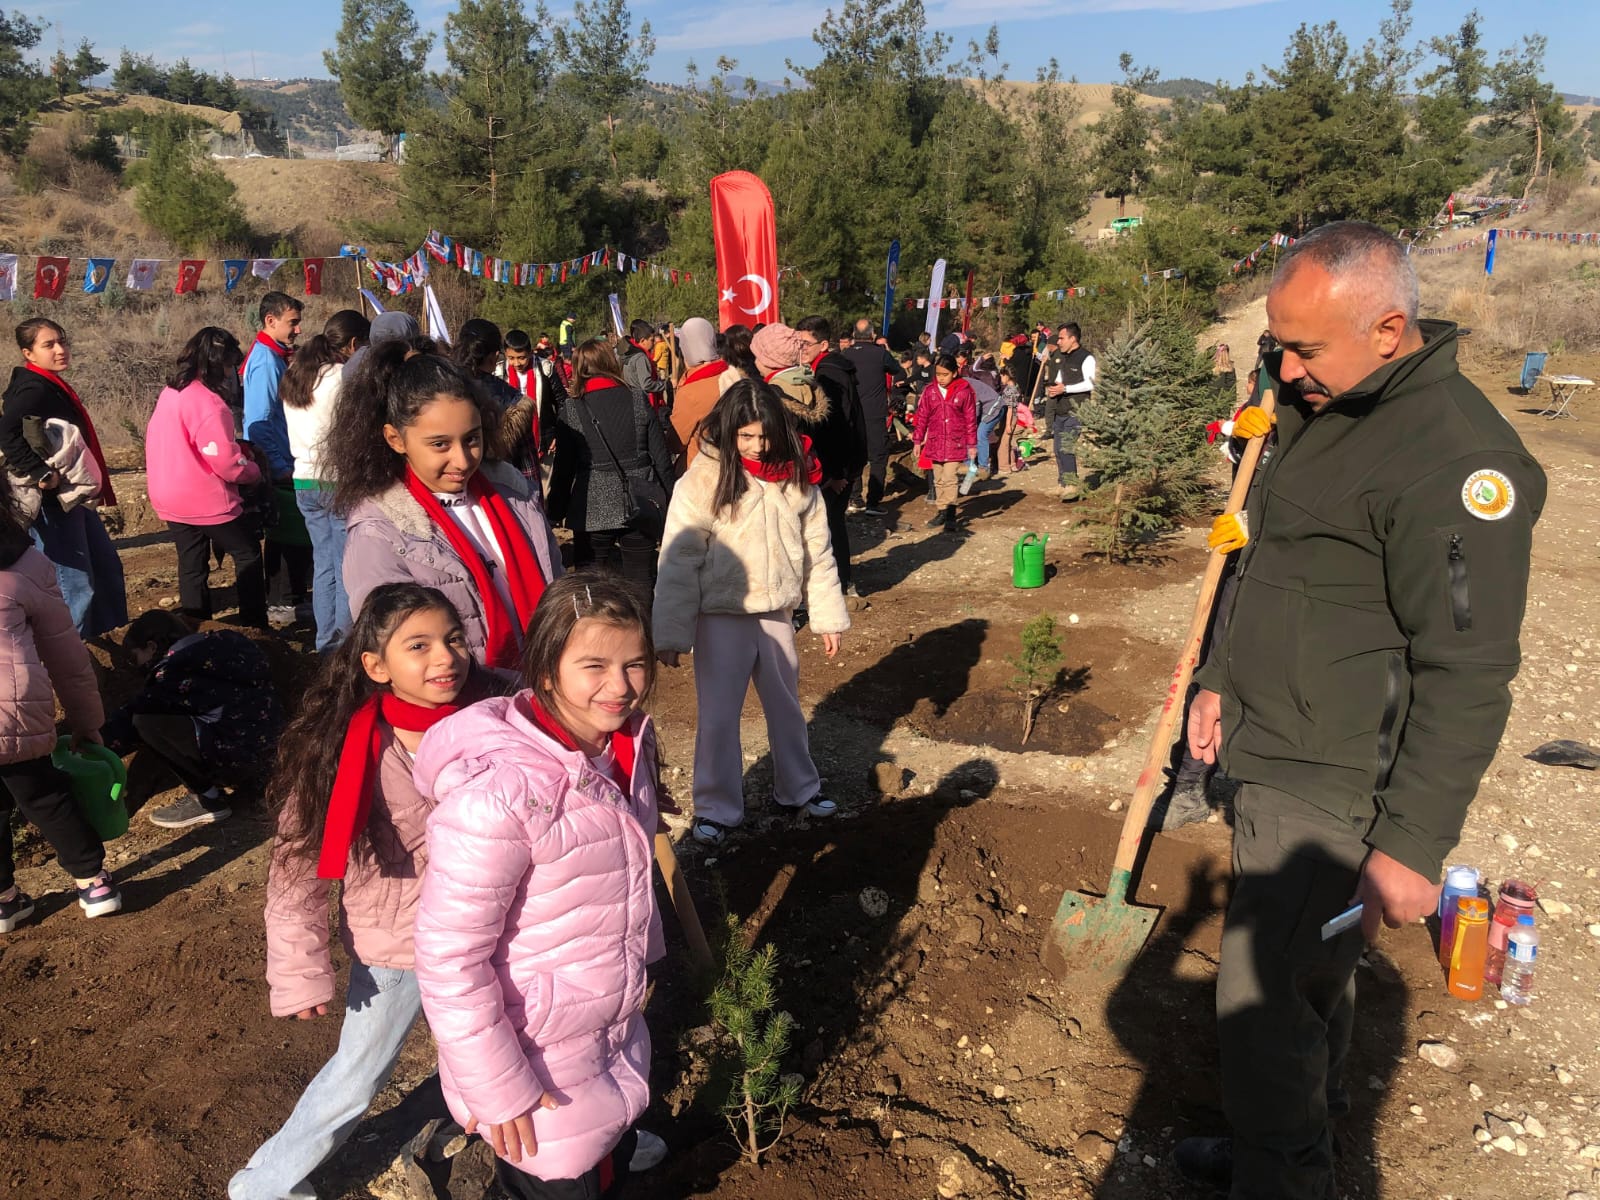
946 424
377 903
40 654
536 922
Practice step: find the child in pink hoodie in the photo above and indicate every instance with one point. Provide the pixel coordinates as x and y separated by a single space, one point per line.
537 916
349 811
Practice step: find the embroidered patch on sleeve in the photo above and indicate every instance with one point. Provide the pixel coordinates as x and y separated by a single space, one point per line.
1488 495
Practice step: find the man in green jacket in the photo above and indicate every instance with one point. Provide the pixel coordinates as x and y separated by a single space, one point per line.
1362 685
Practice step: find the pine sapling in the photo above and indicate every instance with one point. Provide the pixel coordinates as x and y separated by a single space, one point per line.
1037 667
754 1040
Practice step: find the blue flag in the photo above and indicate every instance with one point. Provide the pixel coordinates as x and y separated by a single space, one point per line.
1488 258
233 270
890 278
96 275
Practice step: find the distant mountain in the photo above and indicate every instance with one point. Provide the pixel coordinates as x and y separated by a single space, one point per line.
310 112
1182 89
1569 98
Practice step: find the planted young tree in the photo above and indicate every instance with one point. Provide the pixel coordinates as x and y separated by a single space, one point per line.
1143 446
378 59
604 59
1038 665
755 1037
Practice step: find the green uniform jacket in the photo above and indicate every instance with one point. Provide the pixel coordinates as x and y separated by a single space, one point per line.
1366 667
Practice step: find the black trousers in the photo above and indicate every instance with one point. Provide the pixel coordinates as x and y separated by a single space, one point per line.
174 740
289 570
626 551
877 451
236 538
43 794
837 504
604 1181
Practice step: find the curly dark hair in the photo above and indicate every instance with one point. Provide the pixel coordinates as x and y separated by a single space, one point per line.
302 783
393 383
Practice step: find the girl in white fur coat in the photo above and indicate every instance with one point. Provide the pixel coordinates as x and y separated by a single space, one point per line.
746 542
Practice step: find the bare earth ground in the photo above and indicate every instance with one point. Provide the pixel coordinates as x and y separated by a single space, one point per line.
938 1056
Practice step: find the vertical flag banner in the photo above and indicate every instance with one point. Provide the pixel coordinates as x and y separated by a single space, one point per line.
966 308
935 291
616 314
745 230
262 268
313 276
96 275
50 277
890 278
436 326
142 274
1488 256
233 270
371 299
8 276
188 276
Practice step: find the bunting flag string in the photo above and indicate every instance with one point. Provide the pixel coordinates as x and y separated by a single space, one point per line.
1249 261
411 273
1000 301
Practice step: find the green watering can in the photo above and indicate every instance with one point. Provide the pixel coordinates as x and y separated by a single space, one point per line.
1025 447
1027 561
98 778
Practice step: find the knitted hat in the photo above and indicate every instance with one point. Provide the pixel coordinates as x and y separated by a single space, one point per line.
698 338
776 347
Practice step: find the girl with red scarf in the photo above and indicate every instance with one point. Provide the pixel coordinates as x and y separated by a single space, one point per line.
348 810
88 570
424 504
746 543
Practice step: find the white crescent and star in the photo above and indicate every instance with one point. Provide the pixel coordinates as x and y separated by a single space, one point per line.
50 274
763 291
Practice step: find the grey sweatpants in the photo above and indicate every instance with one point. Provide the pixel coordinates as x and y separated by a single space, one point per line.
729 651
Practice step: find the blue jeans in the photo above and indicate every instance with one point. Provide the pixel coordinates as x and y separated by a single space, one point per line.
88 570
329 601
381 1006
985 430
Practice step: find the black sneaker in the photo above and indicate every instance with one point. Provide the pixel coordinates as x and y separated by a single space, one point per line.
872 510
939 519
191 810
1186 805
101 898
1206 1161
15 911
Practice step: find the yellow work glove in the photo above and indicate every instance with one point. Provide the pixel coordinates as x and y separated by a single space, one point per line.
1252 423
1229 532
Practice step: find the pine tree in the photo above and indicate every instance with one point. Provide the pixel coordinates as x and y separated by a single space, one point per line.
23 86
755 1039
604 59
1036 664
378 59
182 193
1143 445
1122 139
463 157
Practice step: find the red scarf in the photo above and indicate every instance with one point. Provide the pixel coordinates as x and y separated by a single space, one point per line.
818 359
522 567
108 494
271 343
599 383
782 473
350 806
622 743
704 371
654 374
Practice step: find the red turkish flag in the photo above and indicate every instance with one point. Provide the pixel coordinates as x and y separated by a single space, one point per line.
188 276
746 234
50 277
314 276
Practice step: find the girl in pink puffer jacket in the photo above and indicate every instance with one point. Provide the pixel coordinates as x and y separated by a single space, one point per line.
349 811
537 916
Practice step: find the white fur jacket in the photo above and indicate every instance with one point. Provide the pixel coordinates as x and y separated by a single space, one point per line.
766 554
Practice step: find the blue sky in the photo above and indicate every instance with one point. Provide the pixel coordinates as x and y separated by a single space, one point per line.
1207 39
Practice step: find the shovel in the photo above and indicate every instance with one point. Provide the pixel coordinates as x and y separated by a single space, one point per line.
1104 934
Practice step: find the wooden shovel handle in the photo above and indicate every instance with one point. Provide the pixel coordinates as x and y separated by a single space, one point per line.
683 903
1144 792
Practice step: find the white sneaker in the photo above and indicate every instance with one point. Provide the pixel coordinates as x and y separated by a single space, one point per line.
649 1151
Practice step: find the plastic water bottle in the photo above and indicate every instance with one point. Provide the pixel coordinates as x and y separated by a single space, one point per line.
1522 948
1458 882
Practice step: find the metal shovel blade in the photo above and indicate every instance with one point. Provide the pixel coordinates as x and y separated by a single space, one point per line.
1099 935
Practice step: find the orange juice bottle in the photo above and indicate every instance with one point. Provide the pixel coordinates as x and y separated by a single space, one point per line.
1470 948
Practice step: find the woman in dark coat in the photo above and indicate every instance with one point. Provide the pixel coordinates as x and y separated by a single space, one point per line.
606 436
88 570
